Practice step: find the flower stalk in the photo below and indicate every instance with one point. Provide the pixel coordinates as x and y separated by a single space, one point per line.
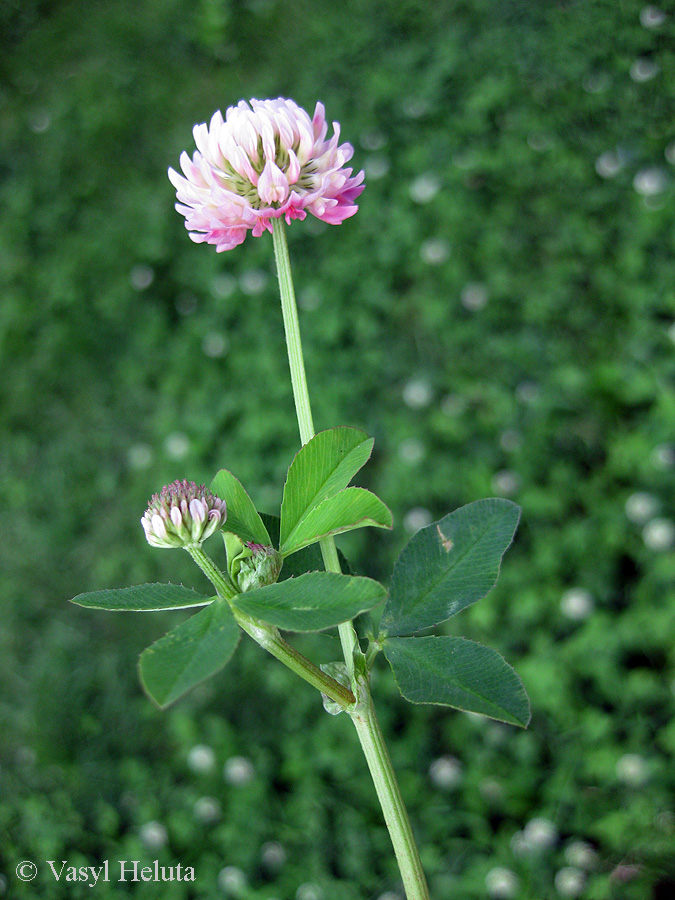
363 713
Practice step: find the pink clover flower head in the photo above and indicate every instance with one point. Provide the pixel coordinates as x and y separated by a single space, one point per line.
266 159
182 514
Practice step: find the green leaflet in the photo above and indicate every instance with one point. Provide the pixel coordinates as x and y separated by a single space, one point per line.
143 598
449 565
349 509
311 602
456 672
190 653
242 517
321 468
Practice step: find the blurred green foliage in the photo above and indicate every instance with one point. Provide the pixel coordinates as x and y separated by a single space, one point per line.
499 315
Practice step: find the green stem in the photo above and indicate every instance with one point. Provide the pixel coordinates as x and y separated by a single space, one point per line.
363 714
389 795
268 636
289 311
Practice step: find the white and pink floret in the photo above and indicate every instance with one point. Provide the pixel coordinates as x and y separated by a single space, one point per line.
182 514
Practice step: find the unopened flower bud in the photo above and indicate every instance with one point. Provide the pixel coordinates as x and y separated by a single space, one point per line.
182 514
260 568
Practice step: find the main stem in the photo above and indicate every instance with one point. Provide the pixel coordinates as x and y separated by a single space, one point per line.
363 715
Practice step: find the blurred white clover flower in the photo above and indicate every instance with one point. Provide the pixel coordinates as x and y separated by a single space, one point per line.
505 483
417 393
641 506
177 445
663 456
644 69
581 855
201 759
570 881
446 772
141 277
183 513
264 160
273 855
309 891
153 835
632 769
435 251
659 534
377 166
650 182
238 771
412 450
474 296
652 17
207 810
577 604
232 881
501 883
416 518
540 834
424 188
608 164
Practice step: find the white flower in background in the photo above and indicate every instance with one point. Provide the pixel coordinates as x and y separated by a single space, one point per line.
652 17
570 882
446 772
207 810
253 281
232 881
506 483
309 891
417 394
412 450
501 883
273 855
650 182
201 759
435 251
659 534
632 769
474 296
417 518
608 164
377 166
644 69
641 506
425 187
238 771
577 604
153 835
141 277
177 445
581 855
663 456
540 834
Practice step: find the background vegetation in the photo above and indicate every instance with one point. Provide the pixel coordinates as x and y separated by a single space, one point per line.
499 315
